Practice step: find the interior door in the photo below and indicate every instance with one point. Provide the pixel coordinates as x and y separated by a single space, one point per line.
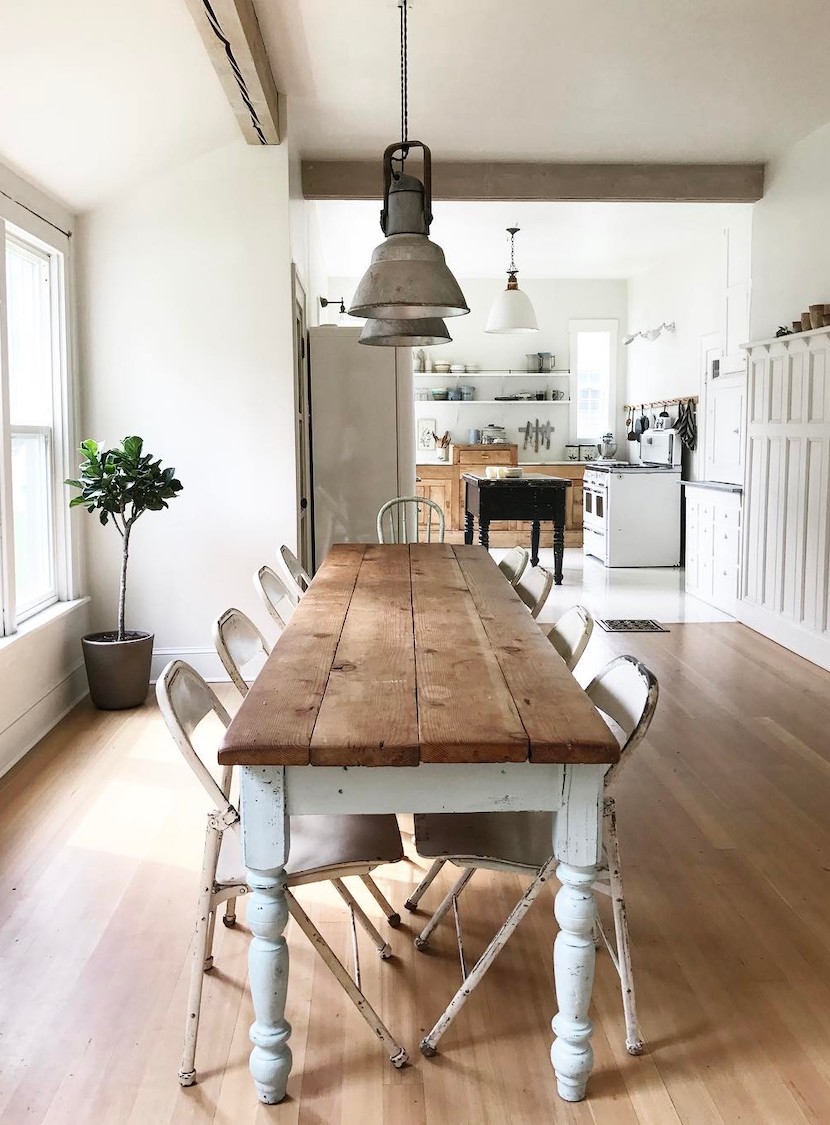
302 397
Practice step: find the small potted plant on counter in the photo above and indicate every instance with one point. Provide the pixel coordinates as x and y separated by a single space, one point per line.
120 484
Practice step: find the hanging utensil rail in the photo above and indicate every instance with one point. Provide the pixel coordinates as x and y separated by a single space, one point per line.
629 406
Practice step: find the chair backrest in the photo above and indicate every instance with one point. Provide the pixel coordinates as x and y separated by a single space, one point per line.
273 592
185 701
299 575
394 515
513 564
238 642
626 692
571 633
533 588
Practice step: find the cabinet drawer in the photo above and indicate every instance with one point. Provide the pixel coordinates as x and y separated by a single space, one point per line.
485 457
727 545
727 518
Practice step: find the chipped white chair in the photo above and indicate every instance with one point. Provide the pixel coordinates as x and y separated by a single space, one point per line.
323 848
238 642
625 692
275 595
533 588
513 564
300 578
571 633
398 518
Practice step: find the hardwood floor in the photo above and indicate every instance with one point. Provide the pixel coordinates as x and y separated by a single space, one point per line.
725 835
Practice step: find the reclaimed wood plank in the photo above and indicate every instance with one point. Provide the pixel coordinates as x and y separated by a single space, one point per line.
275 724
465 710
561 722
369 716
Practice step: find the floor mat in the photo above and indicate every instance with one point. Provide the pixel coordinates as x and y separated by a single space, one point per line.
631 625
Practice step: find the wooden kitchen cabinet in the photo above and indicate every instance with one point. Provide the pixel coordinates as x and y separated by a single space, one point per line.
436 483
476 458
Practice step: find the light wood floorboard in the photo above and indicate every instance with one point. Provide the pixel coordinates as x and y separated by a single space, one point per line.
725 838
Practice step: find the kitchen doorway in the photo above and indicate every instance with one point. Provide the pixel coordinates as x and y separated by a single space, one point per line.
302 400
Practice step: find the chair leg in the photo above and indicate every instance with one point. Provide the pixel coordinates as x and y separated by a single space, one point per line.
397 1055
383 947
229 917
208 964
416 896
205 914
391 915
422 940
633 1035
430 1041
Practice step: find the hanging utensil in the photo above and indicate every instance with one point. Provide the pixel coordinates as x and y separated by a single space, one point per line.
536 438
630 424
641 423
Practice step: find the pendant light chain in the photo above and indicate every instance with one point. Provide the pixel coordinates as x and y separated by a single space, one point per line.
404 80
512 231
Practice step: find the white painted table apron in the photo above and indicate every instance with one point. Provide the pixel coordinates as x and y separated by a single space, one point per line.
271 794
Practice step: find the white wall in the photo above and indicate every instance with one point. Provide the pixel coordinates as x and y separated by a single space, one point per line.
41 670
186 339
791 236
556 303
306 243
690 289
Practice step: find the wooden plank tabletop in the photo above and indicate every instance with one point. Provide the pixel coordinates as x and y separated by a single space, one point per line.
405 654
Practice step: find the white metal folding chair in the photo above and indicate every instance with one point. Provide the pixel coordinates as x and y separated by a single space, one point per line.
300 578
395 516
275 595
238 642
533 588
513 564
323 848
625 692
571 633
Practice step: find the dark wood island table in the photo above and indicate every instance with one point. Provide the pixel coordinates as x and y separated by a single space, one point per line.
533 498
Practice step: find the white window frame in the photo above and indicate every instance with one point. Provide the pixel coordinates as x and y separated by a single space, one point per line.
613 328
29 229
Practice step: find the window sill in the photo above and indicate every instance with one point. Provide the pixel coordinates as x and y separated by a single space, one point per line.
42 620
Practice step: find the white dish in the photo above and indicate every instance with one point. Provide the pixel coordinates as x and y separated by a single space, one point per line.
458 368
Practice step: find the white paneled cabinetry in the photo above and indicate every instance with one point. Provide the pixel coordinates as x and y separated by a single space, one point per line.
713 546
786 555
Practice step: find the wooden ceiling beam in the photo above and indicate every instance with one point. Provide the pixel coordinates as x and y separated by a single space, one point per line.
232 38
539 182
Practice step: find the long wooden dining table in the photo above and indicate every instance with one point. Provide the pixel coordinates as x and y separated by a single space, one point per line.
411 678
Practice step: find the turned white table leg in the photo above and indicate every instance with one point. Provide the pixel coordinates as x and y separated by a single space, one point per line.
573 967
265 844
576 844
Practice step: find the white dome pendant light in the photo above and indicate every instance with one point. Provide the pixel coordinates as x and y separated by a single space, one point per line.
512 313
408 278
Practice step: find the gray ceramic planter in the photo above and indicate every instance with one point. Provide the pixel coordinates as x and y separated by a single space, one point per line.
118 671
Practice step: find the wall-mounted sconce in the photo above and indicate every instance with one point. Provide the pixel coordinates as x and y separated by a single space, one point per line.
326 301
650 334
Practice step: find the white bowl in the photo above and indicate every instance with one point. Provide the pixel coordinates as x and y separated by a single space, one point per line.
458 368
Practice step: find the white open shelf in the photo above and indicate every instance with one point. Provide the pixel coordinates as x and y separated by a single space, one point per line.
492 402
490 374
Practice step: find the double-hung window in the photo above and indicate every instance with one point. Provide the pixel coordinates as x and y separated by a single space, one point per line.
593 362
33 435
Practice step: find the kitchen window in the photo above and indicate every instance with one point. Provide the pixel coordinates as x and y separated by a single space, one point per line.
33 445
593 362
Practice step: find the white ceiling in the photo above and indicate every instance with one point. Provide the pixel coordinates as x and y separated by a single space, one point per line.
557 240
719 80
95 95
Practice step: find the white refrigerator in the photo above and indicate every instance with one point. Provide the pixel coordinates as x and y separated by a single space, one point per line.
362 434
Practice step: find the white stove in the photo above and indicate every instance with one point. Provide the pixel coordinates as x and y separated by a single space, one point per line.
632 510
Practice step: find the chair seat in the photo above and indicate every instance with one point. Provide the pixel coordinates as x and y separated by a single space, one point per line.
320 844
523 839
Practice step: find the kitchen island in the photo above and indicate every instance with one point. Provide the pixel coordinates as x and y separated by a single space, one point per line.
442 482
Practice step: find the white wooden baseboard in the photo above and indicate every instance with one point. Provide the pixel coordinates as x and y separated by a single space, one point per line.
807 643
34 724
204 660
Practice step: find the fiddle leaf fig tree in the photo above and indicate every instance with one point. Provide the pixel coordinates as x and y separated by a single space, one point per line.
121 484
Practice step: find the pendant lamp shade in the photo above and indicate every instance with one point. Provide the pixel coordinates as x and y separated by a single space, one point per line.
405 333
512 313
408 277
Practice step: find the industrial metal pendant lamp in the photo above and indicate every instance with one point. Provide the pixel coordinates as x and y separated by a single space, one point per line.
512 313
405 333
408 278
